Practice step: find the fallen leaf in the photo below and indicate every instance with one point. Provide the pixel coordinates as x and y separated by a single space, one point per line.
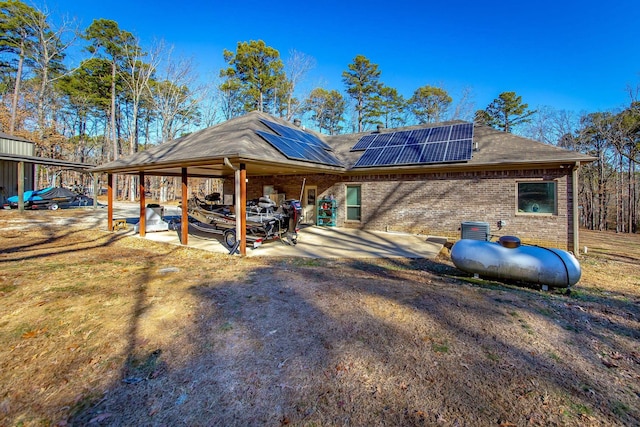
34 333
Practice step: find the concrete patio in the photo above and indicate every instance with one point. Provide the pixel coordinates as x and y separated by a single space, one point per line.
313 241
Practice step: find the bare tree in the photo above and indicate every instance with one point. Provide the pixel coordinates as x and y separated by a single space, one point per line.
297 66
465 107
176 96
550 126
211 107
136 75
50 44
137 71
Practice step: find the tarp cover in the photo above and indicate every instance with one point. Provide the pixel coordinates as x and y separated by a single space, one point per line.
49 193
58 193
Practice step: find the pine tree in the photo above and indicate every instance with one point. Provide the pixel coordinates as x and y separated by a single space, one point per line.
17 39
256 70
107 38
362 82
429 104
507 111
327 109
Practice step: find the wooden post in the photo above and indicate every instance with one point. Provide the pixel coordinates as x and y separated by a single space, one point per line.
21 186
184 221
110 201
243 210
96 190
142 229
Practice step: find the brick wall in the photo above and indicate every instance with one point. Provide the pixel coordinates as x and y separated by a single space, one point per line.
436 204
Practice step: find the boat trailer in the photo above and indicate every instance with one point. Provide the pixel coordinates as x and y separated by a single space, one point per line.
265 221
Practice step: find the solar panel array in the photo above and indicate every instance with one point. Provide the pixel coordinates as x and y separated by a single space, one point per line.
298 145
441 144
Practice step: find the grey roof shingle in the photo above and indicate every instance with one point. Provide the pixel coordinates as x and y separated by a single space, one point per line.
237 138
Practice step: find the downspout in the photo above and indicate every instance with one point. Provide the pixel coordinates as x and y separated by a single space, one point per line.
575 221
243 209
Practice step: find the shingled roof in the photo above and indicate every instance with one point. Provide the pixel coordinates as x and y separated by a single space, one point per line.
203 152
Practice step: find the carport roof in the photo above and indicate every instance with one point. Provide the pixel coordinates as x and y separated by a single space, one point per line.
203 153
83 167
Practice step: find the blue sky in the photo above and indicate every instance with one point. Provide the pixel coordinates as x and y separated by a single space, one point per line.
572 55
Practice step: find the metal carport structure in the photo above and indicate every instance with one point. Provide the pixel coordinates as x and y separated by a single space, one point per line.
21 160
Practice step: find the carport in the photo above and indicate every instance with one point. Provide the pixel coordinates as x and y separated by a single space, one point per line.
230 149
21 160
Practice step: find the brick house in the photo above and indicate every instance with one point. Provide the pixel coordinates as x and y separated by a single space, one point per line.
518 186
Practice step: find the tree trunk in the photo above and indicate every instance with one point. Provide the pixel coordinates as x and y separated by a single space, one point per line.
41 95
632 197
114 139
16 91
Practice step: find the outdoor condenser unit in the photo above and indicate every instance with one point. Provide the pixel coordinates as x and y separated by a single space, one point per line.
475 230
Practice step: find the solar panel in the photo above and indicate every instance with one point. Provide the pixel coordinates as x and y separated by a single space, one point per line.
418 136
382 140
410 154
281 144
313 152
439 134
400 138
364 142
459 150
433 152
388 156
369 157
299 150
295 134
462 131
440 144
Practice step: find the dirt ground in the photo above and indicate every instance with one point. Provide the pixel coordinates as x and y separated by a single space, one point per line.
101 329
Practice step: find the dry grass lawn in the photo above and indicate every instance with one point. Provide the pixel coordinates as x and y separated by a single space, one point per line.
101 329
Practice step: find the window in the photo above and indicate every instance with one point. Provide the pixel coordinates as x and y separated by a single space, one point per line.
537 197
311 197
353 203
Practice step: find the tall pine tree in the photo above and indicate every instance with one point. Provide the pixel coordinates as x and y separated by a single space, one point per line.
362 82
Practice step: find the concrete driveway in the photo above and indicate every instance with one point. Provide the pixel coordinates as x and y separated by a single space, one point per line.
313 241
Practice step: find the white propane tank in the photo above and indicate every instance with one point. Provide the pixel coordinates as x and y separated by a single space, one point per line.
508 259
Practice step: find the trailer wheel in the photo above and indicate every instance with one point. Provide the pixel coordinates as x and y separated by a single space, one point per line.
53 206
230 238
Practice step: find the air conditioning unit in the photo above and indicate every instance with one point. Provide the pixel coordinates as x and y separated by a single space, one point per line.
475 230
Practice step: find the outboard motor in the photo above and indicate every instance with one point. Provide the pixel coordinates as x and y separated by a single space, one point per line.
293 209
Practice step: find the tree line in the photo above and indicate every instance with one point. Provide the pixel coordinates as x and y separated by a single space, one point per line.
123 96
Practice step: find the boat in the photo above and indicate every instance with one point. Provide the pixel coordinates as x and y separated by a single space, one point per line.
47 198
264 220
508 259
